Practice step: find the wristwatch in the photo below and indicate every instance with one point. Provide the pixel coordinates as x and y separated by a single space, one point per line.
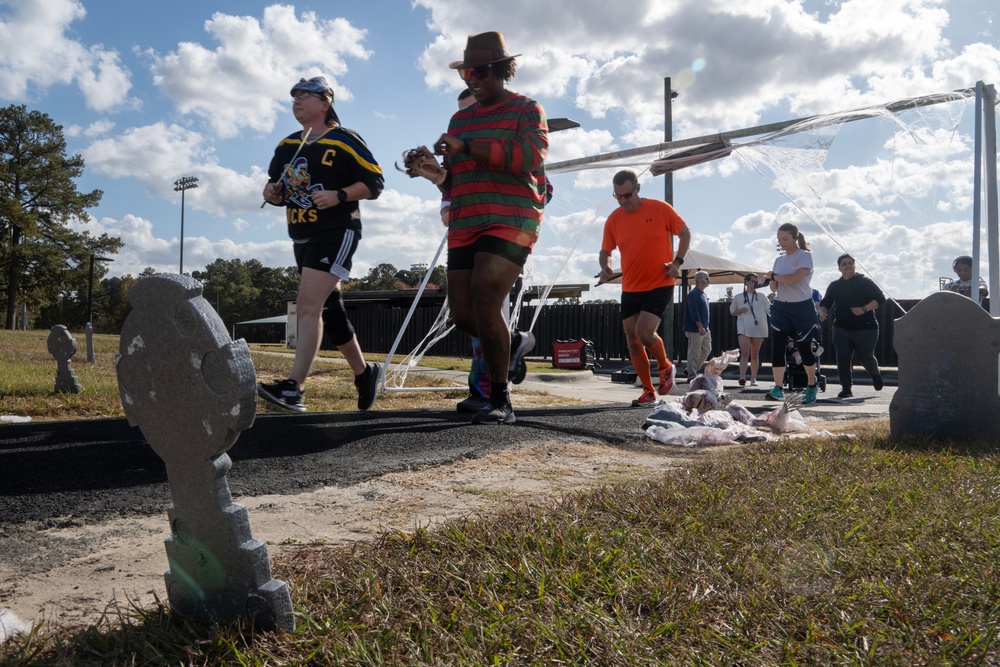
341 196
679 260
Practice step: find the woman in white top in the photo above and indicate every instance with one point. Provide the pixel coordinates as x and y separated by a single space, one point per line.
751 311
793 315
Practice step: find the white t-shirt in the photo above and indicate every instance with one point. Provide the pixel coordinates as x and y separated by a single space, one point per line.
786 265
752 323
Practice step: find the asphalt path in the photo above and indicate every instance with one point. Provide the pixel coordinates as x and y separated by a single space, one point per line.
53 473
59 473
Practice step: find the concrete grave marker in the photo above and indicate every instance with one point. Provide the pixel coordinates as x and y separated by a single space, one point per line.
62 346
949 350
191 390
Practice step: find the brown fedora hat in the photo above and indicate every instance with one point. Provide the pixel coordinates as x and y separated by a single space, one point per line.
483 49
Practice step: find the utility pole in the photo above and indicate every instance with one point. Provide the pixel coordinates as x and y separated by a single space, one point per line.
668 196
89 327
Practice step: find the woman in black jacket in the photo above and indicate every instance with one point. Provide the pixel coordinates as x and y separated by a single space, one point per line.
855 329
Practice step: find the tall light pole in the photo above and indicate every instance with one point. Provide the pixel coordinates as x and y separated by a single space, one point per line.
183 184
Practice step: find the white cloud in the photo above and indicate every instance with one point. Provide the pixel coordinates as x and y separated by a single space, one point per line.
45 56
99 128
142 248
609 62
245 80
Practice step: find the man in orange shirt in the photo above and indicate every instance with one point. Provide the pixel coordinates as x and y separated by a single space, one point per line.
642 230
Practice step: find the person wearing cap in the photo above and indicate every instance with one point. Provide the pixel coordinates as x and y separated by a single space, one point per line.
494 153
319 175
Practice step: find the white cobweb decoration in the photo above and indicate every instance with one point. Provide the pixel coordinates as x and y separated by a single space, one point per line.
794 160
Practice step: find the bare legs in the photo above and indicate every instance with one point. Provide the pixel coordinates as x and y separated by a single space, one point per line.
640 333
475 298
750 355
314 289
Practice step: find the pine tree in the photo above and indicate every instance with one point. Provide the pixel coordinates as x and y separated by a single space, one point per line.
38 197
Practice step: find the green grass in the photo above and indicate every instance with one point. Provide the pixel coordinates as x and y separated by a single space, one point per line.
27 381
820 552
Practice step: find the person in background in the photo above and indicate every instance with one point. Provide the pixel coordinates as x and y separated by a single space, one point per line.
319 175
751 311
494 154
479 373
855 329
696 325
962 266
643 231
793 314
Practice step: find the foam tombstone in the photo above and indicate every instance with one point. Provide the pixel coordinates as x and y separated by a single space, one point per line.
62 347
191 390
948 349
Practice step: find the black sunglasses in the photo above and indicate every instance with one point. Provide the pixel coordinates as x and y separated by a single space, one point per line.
480 72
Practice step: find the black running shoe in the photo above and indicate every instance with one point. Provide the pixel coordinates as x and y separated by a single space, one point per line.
503 414
367 385
284 394
520 371
845 393
877 382
473 404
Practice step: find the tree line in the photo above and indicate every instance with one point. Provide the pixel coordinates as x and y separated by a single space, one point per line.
59 275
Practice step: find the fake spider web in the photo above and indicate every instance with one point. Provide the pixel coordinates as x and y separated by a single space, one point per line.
794 158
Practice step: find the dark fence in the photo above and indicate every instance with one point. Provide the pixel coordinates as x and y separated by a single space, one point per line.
600 323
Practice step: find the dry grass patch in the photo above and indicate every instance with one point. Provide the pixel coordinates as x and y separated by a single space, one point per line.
820 551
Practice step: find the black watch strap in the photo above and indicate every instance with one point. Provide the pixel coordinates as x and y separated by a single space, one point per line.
341 196
679 260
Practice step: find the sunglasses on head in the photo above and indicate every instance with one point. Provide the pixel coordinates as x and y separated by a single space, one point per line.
480 72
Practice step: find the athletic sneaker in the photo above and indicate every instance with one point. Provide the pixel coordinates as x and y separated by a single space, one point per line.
877 382
473 404
742 381
367 385
284 394
648 398
775 394
753 383
521 342
810 396
503 414
517 375
845 393
667 381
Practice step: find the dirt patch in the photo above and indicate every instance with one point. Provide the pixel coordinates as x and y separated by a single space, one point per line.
69 572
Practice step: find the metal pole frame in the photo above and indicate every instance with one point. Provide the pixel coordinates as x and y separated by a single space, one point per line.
977 196
993 231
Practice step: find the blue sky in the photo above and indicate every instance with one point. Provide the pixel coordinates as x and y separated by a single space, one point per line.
150 92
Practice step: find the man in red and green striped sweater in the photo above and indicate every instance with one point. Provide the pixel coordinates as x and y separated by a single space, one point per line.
494 153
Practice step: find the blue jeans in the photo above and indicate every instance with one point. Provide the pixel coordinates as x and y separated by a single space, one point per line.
850 344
